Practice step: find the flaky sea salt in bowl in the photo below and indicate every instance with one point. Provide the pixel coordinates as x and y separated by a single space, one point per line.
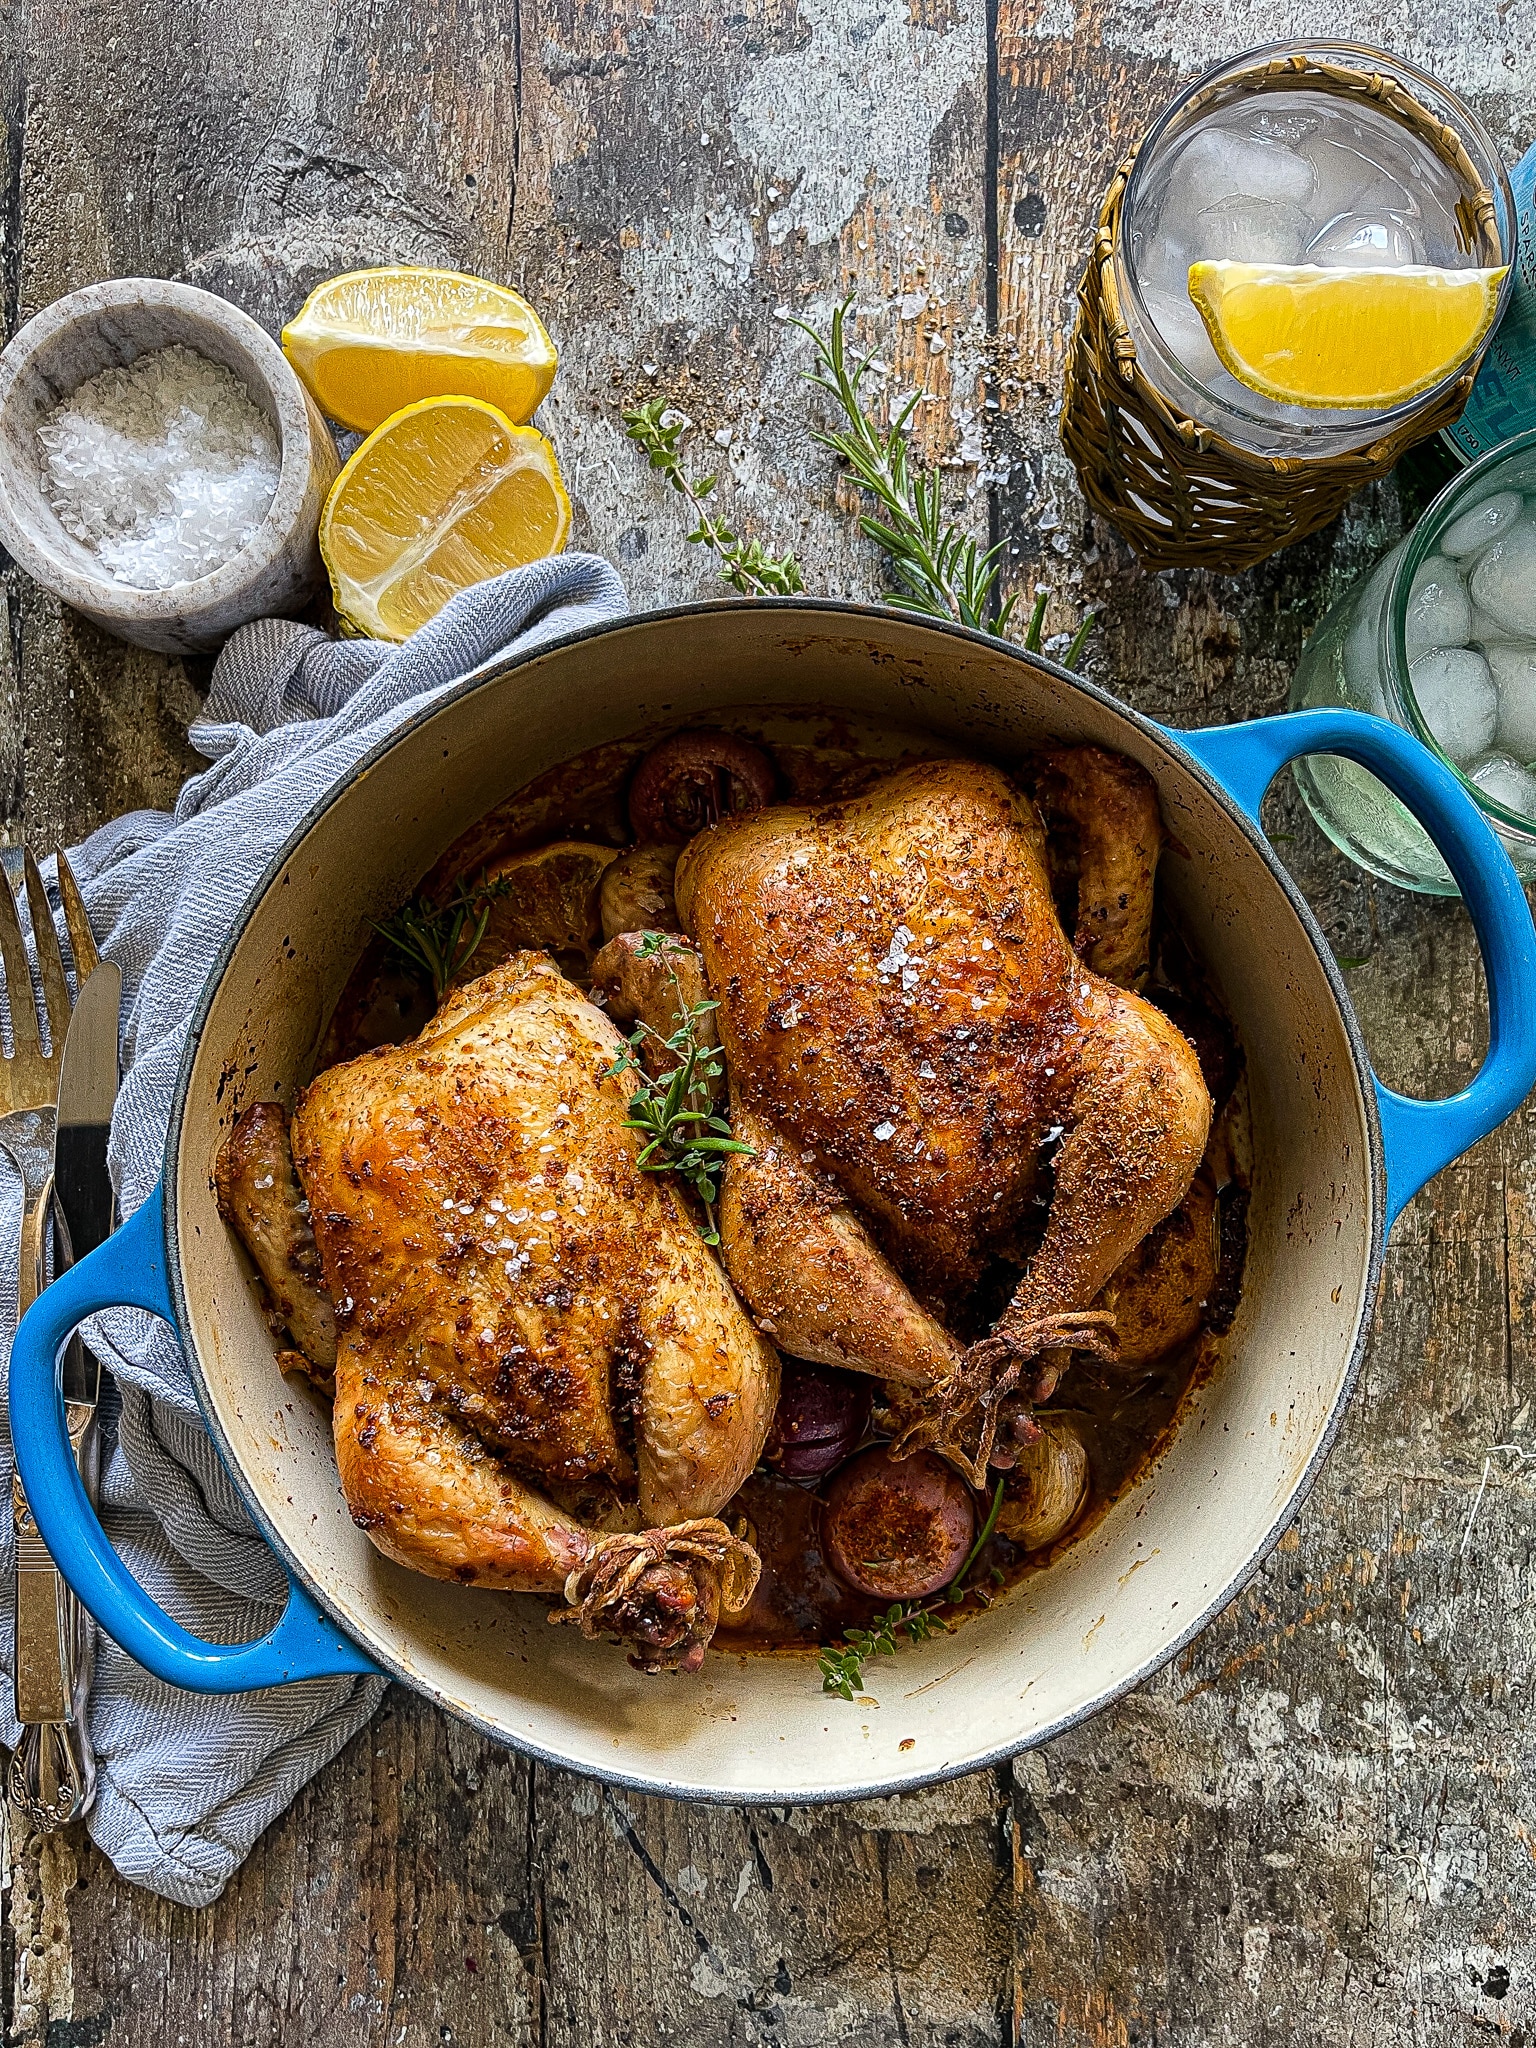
237 479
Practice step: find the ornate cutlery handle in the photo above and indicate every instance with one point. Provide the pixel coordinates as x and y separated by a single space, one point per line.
53 1770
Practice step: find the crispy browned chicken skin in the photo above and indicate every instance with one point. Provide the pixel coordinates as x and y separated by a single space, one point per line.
913 1046
543 1379
260 1196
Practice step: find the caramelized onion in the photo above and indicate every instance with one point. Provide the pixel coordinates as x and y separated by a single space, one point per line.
821 1419
1048 1486
693 780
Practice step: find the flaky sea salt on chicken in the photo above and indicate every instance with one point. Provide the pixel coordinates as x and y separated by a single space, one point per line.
544 1382
916 1053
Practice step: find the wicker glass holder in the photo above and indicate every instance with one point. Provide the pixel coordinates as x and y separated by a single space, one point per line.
1183 494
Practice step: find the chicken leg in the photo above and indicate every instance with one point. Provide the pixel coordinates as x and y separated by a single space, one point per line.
904 1018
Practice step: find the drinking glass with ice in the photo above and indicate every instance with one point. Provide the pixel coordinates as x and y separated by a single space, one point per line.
1302 176
1441 638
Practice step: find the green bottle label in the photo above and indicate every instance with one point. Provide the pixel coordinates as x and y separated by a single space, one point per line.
1503 401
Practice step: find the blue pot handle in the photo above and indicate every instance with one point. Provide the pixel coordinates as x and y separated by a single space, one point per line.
128 1271
1418 1138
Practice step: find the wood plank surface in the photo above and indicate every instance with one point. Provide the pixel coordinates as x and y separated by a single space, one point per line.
1319 1825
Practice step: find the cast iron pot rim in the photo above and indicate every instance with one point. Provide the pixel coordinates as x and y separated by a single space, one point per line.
1162 737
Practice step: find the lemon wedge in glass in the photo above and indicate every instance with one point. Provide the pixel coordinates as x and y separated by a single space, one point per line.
372 341
442 495
1340 338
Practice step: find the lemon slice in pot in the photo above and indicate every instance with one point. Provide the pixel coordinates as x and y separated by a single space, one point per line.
1369 338
372 341
442 495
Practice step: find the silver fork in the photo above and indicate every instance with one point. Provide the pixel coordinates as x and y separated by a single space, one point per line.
53 1773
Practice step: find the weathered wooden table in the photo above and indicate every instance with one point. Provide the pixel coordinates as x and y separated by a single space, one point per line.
1318 1826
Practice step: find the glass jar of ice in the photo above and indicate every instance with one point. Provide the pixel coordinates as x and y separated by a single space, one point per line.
1440 637
1252 167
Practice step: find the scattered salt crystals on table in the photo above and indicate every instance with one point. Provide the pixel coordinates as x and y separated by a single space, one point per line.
1484 523
163 470
1457 700
1504 581
1439 613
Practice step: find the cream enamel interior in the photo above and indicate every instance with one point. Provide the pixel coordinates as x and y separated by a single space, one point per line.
1067 1639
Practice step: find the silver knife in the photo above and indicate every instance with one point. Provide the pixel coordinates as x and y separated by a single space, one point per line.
53 1770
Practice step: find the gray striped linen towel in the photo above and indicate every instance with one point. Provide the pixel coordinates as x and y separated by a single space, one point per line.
187 1783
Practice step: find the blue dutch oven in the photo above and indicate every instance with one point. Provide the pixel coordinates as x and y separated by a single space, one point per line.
1335 1157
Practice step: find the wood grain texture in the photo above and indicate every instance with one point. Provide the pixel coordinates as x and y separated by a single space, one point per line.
1318 1826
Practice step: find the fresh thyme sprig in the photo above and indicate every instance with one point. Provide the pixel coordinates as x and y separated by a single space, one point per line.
842 1668
745 564
440 939
684 1135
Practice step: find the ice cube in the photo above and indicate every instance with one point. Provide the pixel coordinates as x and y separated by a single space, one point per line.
1512 665
1485 522
1247 230
1504 581
1348 179
1509 784
1178 321
1439 613
1218 164
1164 267
1282 122
1359 241
1456 700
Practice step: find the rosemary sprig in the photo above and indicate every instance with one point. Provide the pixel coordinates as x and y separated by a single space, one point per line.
683 1133
440 939
745 564
939 569
842 1668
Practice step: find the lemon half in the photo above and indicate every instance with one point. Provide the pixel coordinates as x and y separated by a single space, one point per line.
442 495
1367 338
372 341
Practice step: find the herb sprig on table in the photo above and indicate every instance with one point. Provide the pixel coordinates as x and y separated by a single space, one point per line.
745 564
936 568
684 1135
440 939
842 1667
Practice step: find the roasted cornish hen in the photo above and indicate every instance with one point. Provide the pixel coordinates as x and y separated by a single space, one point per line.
543 1379
917 1056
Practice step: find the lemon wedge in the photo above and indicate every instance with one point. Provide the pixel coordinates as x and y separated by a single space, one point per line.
372 341
546 901
442 495
1367 338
